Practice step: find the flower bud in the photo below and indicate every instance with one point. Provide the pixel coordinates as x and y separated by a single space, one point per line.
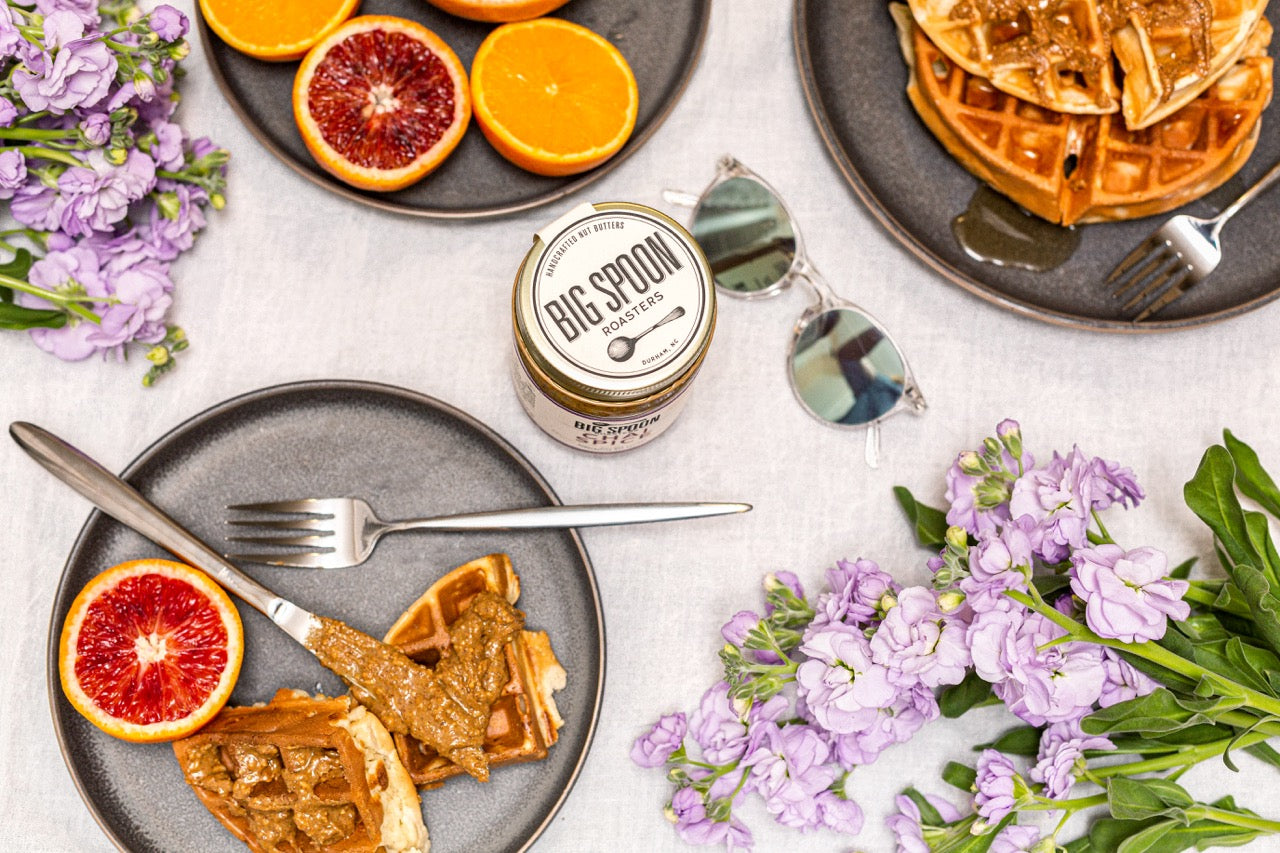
957 537
1011 435
218 200
949 601
158 355
180 50
970 463
679 775
887 602
720 809
117 156
144 86
170 205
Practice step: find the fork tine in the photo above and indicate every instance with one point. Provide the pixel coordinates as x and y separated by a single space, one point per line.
1179 287
310 506
296 561
1139 252
309 523
1159 257
325 540
1167 274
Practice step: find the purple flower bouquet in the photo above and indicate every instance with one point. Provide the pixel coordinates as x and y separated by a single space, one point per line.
104 190
1120 671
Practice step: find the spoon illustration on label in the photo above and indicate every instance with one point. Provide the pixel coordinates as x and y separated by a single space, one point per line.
622 348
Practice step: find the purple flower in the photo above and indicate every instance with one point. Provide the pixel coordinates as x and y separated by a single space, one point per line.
840 683
916 643
1058 499
856 591
1061 759
739 625
98 195
168 23
74 270
1038 682
1123 682
897 723
38 206
8 112
997 784
653 748
13 171
787 579
1015 839
96 128
836 812
1127 596
718 726
143 299
72 71
1114 484
11 41
85 10
1006 550
688 811
907 825
168 149
789 769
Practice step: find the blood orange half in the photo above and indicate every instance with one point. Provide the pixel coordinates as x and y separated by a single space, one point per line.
381 101
150 650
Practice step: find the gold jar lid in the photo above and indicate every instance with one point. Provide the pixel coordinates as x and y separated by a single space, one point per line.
614 302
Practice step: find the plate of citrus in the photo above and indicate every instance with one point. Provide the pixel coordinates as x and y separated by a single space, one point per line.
453 108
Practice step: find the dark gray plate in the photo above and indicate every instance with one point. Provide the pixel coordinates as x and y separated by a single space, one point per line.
855 81
661 42
409 455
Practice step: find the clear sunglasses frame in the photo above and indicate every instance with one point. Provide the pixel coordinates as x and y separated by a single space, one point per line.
803 270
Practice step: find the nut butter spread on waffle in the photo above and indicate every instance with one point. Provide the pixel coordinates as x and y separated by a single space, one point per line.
1070 168
523 720
1058 54
304 775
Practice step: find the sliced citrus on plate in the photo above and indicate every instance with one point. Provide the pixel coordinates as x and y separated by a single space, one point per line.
553 97
380 102
275 30
150 650
498 11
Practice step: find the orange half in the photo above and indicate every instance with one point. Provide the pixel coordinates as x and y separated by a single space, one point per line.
275 30
498 11
553 97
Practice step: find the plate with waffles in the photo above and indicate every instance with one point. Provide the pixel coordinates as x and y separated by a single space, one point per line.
1101 115
407 453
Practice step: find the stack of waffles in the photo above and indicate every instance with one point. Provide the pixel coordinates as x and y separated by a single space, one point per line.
1090 110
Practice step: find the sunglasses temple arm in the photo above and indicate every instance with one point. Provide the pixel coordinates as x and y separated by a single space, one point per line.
872 450
679 198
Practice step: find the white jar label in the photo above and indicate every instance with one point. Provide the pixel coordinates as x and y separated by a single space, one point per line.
595 435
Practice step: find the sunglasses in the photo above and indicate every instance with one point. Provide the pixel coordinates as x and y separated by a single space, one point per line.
844 367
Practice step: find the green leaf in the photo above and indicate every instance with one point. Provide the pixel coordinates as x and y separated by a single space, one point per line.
1139 799
1264 752
1157 713
18 318
1251 478
930 525
1263 603
959 775
1202 627
1211 495
1168 836
1023 741
1260 537
18 266
1047 585
972 692
1182 571
928 814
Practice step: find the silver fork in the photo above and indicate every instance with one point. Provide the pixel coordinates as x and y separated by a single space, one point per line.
342 532
1178 255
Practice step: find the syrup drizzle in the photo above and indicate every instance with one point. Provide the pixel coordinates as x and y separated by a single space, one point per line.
997 231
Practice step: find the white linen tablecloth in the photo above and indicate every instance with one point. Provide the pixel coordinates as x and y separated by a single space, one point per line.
290 282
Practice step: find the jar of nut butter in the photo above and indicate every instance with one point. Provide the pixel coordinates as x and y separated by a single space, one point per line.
613 310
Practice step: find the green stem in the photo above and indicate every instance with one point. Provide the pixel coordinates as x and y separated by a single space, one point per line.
35 134
1190 756
1102 528
1155 654
1199 812
1044 804
40 153
70 303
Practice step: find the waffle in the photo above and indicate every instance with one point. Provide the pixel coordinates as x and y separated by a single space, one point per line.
1058 54
304 775
524 721
1086 168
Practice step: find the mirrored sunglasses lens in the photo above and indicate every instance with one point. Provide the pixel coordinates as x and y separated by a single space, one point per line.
845 369
745 234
